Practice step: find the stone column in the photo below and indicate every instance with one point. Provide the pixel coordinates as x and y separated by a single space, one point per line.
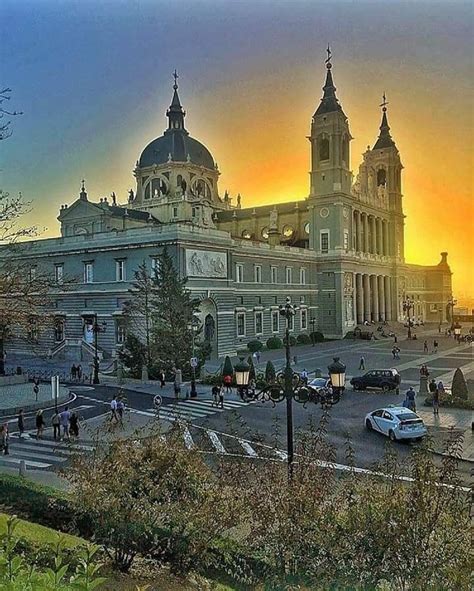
379 236
375 298
366 232
374 235
357 231
360 299
385 238
382 311
366 297
388 298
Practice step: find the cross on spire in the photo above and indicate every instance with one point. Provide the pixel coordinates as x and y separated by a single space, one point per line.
175 76
384 102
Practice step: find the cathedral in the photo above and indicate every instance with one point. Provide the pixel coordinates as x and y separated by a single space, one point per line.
338 254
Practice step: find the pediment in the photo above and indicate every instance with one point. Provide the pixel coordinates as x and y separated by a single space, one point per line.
80 209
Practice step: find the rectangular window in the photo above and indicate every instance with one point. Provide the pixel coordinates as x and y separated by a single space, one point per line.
58 273
289 275
275 321
258 322
121 334
304 320
303 276
175 212
274 274
239 273
59 331
120 270
346 240
155 266
88 272
240 324
324 236
258 274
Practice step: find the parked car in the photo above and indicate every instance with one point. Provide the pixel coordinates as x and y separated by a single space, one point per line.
386 379
396 422
319 383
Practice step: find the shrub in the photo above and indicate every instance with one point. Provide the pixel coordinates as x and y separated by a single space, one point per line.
270 373
228 369
459 387
317 336
303 339
253 346
252 373
274 343
292 341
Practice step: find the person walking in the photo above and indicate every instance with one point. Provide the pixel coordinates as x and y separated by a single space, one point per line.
21 423
435 346
79 372
36 388
74 424
39 424
436 402
425 347
113 410
215 395
56 426
411 398
227 383
441 387
120 409
362 363
304 376
161 377
257 355
64 418
73 372
221 397
5 439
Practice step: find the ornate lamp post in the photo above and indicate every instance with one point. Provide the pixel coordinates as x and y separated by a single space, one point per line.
194 326
96 329
289 386
451 303
313 325
408 305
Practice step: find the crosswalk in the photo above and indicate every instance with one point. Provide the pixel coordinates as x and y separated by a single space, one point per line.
192 410
39 454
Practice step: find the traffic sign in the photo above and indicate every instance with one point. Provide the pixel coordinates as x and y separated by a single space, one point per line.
194 362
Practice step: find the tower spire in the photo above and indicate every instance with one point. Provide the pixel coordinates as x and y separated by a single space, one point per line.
83 193
385 139
329 102
175 112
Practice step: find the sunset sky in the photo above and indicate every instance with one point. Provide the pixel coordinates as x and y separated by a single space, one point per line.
93 79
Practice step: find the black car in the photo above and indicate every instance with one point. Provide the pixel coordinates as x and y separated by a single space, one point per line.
386 379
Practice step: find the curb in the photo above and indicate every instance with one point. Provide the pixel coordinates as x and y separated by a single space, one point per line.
14 410
445 455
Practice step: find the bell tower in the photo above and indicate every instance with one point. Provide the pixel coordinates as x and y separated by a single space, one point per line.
330 138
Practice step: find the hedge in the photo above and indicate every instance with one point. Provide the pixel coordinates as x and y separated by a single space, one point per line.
303 339
254 346
292 340
317 336
274 343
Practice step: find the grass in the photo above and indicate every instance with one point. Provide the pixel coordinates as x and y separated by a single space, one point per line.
39 534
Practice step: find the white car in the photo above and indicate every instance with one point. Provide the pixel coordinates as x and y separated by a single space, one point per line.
397 422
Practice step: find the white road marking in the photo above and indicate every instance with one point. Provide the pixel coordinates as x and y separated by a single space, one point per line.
216 442
188 440
248 448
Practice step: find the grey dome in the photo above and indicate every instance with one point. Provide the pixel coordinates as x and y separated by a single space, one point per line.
179 144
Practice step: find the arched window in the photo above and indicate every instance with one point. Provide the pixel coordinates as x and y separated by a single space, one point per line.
147 191
179 181
324 148
381 177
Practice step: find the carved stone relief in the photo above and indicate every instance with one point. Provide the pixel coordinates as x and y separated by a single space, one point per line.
206 263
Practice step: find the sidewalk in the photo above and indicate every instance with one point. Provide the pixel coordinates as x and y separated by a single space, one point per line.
456 419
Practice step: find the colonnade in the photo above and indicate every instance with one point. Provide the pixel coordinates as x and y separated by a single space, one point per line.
371 234
373 297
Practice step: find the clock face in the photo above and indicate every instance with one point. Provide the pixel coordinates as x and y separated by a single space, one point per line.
265 233
306 227
288 231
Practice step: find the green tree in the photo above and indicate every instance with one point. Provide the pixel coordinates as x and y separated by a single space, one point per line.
172 315
138 310
459 387
227 370
270 373
133 355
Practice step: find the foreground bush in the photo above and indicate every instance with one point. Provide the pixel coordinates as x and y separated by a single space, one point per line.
274 343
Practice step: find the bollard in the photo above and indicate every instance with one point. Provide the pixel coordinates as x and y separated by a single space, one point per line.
22 470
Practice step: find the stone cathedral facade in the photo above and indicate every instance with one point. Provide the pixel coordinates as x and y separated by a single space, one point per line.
338 254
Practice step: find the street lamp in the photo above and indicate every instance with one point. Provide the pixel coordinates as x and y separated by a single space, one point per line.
96 329
451 303
408 304
313 325
288 385
337 373
194 327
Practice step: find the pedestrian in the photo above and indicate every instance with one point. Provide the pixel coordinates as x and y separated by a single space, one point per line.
295 359
215 395
432 386
113 409
79 372
425 347
21 423
258 356
411 397
362 363
4 439
221 397
120 409
74 424
56 426
64 418
227 383
304 376
441 387
395 339
39 424
161 376
397 352
73 372
36 388
435 346
436 402
177 388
